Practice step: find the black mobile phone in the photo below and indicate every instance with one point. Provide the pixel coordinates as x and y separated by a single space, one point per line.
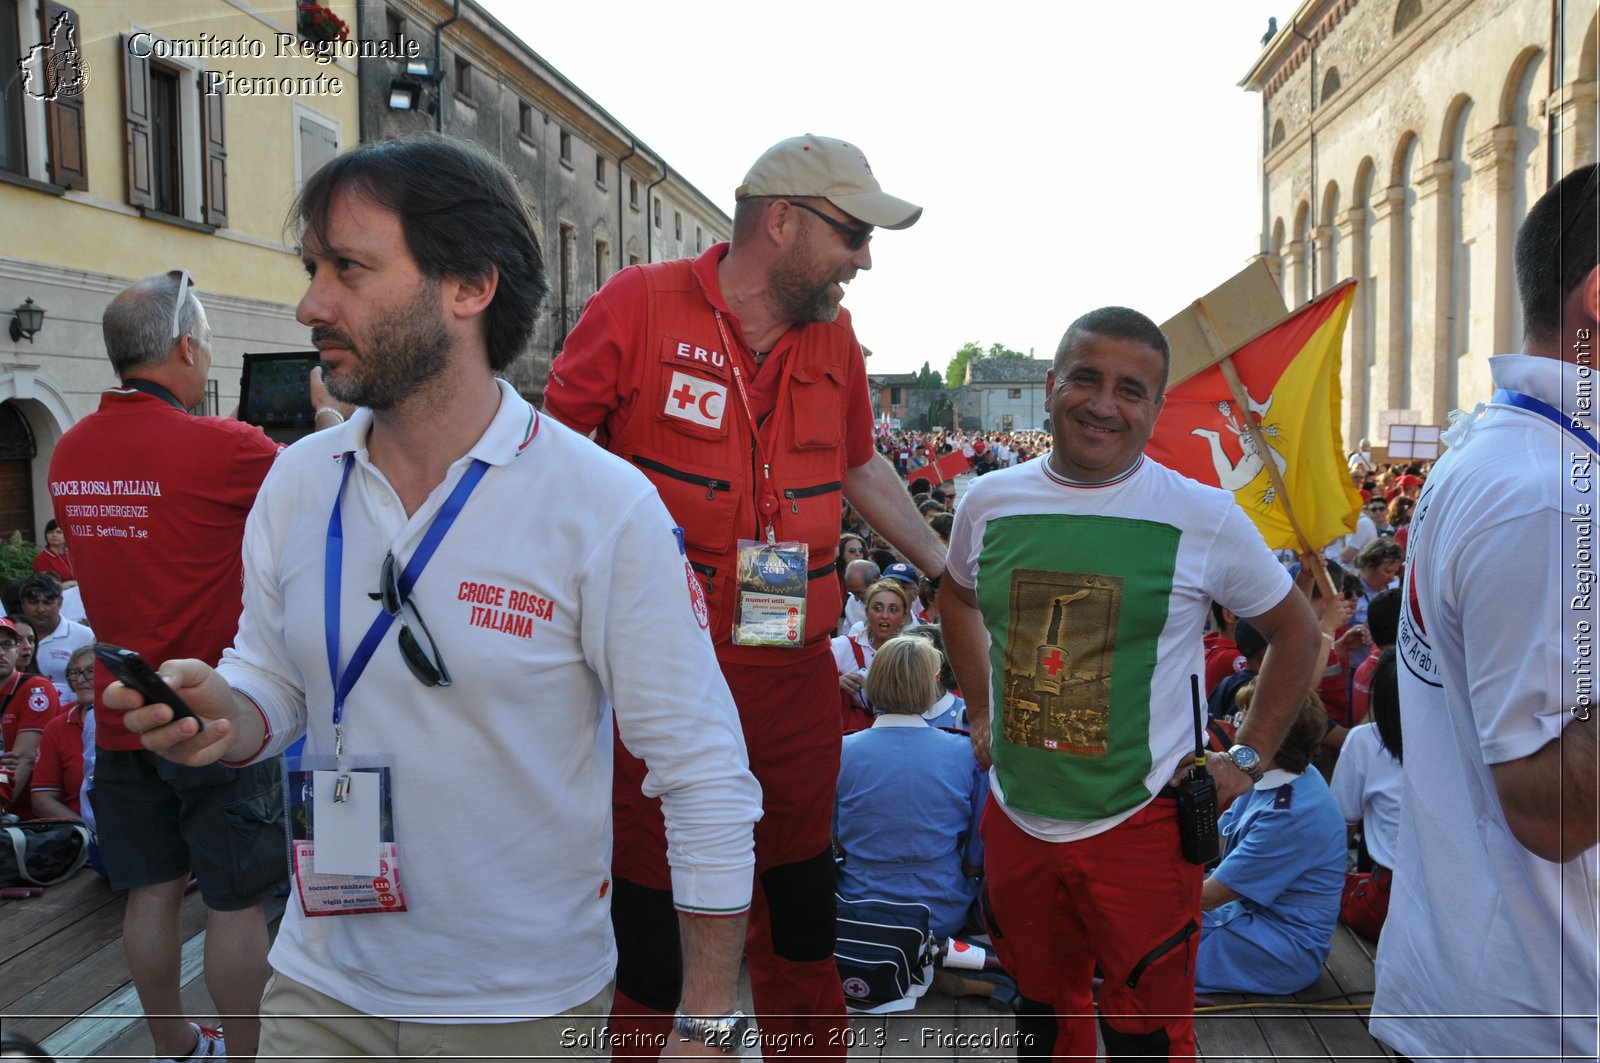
1197 817
132 671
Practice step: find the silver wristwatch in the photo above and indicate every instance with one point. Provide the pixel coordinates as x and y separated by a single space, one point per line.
1246 760
728 1032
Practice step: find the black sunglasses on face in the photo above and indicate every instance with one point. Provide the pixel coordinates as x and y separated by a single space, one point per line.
426 665
855 237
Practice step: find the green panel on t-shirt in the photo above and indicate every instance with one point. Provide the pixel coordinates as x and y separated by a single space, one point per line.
1074 606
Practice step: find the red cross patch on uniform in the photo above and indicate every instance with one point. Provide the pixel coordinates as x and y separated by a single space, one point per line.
38 701
696 400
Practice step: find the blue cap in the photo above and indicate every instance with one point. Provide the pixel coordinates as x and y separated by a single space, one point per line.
902 572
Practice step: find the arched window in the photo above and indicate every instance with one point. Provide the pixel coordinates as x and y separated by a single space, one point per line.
1405 13
1330 82
16 438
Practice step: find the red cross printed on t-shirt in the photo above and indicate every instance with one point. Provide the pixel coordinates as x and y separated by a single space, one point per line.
684 397
1053 663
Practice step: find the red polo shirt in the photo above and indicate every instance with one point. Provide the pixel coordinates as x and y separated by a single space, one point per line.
153 502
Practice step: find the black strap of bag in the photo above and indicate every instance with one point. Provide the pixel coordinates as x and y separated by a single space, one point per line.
42 852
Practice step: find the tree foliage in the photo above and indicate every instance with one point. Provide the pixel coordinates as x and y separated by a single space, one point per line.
956 375
928 379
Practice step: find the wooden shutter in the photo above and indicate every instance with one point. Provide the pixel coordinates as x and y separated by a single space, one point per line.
136 112
64 114
214 138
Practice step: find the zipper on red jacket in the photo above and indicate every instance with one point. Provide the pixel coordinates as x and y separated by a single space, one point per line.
711 484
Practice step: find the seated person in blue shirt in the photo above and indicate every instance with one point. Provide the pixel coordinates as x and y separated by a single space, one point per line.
1271 906
949 712
905 823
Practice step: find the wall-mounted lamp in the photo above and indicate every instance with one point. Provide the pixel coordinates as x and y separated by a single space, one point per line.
405 92
25 321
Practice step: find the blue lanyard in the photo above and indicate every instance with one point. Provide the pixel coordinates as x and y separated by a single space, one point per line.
1507 397
333 574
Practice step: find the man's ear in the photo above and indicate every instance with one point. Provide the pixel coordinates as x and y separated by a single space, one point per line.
1591 294
782 221
184 349
470 297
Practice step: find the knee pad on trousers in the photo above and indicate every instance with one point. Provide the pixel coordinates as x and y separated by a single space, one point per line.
1153 1045
1036 1029
801 908
649 963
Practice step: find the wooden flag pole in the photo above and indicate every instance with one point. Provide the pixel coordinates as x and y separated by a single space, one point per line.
1241 399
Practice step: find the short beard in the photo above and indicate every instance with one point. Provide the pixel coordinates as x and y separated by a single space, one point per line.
797 293
406 349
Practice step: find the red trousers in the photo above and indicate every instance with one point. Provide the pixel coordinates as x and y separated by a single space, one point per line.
1125 901
790 714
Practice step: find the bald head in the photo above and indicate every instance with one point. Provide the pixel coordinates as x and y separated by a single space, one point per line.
859 575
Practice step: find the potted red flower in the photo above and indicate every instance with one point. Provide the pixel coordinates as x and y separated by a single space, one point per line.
317 23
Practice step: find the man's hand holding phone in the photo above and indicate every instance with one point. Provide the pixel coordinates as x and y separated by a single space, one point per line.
221 724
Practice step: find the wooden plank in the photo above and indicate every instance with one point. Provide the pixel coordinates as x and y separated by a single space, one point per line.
84 981
74 934
993 1024
24 923
115 1026
1290 1035
1230 1035
1350 963
134 1042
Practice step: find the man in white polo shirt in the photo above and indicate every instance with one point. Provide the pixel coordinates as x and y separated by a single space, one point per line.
1491 945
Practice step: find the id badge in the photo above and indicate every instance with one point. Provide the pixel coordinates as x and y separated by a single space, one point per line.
772 594
341 837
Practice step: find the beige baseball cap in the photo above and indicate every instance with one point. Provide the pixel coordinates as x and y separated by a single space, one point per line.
830 169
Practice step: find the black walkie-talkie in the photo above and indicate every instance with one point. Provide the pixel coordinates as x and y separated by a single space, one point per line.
1197 796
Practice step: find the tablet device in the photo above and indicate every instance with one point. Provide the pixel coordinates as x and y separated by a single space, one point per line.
275 393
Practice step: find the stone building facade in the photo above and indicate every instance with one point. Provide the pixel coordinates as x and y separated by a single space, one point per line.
1005 394
153 151
602 199
1402 142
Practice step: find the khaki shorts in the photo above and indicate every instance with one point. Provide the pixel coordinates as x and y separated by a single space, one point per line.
299 1023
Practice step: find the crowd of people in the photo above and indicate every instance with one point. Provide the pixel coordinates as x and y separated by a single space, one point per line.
699 619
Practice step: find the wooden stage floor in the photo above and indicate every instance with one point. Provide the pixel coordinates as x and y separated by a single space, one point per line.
63 982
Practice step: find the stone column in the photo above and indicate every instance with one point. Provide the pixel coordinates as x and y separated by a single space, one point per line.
1390 312
1574 106
1294 267
1327 272
1357 353
1432 288
1493 157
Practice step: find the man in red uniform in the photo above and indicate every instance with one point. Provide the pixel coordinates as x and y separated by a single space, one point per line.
154 503
27 703
735 382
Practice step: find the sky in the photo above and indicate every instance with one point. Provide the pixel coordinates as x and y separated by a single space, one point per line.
1067 154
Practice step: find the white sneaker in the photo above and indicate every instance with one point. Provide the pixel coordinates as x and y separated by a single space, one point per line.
209 1046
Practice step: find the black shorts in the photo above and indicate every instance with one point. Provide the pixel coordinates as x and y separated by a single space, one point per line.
158 821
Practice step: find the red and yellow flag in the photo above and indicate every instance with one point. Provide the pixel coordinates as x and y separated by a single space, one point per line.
1291 374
